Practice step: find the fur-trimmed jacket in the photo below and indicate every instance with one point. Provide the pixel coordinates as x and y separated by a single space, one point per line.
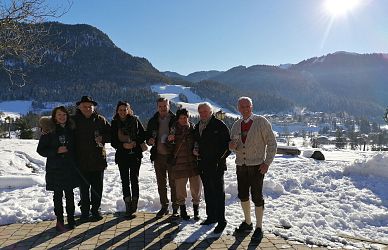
61 169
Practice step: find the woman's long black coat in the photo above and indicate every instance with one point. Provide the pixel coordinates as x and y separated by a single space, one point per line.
61 169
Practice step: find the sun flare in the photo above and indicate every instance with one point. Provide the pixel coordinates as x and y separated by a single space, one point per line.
338 8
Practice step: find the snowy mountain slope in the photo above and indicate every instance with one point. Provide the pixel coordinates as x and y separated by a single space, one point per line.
320 200
14 109
171 92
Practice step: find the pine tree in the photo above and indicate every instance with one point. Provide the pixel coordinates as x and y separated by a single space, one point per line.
340 140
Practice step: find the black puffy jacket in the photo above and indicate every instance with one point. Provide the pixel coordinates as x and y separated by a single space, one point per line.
61 170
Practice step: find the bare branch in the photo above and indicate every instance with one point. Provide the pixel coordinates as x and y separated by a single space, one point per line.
23 34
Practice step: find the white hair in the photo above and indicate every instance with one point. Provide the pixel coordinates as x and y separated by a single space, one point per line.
245 98
206 104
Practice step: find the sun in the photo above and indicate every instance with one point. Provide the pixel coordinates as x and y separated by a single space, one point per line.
337 8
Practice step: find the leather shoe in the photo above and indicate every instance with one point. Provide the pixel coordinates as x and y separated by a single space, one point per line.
96 216
220 227
208 222
163 211
257 235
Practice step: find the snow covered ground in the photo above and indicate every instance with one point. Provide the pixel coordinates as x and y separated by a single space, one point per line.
320 200
171 92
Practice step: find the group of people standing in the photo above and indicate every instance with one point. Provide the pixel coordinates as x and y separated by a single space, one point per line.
180 151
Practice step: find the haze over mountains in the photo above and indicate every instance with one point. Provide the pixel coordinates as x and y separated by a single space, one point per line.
88 62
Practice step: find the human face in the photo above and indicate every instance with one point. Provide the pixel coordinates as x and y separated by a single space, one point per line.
60 117
204 113
245 108
87 108
163 108
183 120
123 111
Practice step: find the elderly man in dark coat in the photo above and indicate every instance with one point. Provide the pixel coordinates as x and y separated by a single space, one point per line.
92 132
212 136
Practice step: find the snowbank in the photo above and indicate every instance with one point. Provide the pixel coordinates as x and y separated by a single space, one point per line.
20 181
376 165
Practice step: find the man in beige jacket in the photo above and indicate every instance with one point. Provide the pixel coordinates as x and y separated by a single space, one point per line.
254 143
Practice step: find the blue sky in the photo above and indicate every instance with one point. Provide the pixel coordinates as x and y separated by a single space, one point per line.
186 36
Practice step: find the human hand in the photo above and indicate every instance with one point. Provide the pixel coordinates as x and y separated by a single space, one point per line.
263 168
232 145
129 145
151 142
98 139
62 150
195 152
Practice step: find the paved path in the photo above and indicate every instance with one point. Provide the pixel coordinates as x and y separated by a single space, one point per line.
114 232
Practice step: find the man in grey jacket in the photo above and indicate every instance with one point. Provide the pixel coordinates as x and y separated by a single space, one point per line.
254 143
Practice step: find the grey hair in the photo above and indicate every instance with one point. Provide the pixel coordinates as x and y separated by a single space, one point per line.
206 104
245 98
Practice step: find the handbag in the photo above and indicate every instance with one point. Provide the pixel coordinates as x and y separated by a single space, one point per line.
171 159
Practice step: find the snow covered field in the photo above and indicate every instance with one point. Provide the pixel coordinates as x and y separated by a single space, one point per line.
320 201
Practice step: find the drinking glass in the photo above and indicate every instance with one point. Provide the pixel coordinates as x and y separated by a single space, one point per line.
130 141
172 132
97 134
62 140
196 148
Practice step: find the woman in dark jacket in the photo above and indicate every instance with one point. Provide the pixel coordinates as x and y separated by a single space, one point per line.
57 144
127 138
184 164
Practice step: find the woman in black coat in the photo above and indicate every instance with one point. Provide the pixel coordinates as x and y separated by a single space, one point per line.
57 144
128 138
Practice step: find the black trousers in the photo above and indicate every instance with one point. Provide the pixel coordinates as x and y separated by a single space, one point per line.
91 191
58 206
250 179
129 174
214 191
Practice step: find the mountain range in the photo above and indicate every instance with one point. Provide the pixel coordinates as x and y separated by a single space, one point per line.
88 62
341 81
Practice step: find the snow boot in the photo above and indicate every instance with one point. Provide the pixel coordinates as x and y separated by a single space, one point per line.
184 215
196 212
